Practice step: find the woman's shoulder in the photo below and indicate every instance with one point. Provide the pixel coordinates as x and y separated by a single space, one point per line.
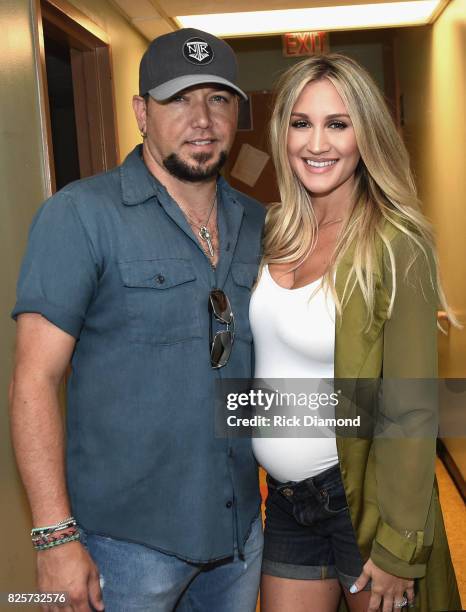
408 254
401 241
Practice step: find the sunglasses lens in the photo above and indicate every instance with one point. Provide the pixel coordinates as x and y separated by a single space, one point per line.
221 349
222 342
220 305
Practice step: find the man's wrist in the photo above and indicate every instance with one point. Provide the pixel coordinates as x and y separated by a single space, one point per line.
50 536
50 514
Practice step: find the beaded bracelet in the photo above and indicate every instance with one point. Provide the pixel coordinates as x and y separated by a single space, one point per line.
58 541
72 538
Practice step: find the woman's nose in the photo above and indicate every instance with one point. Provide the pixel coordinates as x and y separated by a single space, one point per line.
318 141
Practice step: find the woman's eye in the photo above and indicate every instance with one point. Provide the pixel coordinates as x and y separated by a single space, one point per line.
338 125
299 123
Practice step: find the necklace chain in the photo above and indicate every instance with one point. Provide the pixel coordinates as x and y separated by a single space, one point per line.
203 232
196 223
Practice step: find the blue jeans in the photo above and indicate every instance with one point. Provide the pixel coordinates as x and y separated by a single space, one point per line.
135 578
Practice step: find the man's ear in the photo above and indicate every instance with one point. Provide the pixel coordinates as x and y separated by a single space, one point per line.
140 112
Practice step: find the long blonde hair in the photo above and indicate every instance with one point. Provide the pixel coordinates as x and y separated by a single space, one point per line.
384 186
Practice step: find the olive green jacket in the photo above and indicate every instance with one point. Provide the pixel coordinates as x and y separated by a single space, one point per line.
390 482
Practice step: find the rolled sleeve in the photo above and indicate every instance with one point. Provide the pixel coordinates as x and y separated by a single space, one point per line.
59 273
394 565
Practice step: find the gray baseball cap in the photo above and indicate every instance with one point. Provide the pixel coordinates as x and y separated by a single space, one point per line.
184 58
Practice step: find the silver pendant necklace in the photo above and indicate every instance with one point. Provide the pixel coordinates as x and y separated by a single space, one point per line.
204 233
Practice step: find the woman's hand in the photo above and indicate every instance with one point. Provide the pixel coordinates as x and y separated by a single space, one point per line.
387 590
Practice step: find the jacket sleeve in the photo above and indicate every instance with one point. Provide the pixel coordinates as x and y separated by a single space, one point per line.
405 440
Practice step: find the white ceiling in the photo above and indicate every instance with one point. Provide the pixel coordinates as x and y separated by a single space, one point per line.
145 17
155 17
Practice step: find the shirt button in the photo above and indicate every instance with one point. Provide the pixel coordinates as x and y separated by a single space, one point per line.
229 504
160 279
287 492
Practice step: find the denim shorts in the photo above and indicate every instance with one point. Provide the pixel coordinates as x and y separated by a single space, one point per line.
308 530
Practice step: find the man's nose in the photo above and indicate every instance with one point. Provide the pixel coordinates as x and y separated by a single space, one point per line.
318 141
201 115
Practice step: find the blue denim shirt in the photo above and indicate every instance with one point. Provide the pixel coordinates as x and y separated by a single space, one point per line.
112 261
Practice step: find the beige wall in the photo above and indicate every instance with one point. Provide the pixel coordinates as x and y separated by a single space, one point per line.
432 64
22 189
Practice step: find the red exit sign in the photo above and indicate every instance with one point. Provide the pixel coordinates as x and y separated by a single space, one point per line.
304 43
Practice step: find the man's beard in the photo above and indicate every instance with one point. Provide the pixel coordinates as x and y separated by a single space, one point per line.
194 174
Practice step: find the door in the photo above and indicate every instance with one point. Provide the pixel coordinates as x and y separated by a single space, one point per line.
77 104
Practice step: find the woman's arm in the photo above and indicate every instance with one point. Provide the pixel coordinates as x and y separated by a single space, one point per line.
405 446
405 439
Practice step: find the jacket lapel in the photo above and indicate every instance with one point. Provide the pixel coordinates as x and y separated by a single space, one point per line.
353 340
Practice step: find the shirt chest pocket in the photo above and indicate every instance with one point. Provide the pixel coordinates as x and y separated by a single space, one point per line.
160 297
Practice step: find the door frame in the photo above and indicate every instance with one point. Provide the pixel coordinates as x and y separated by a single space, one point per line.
94 99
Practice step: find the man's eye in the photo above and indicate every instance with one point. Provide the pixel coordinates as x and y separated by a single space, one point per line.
299 123
338 125
177 99
220 99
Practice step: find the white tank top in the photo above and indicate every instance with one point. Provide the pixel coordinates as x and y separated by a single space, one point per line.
294 337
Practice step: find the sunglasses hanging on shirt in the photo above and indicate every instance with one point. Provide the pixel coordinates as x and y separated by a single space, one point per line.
221 344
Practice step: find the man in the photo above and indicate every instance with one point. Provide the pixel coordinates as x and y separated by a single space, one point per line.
141 278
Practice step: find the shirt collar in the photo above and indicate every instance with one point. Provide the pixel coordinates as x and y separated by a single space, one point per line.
137 184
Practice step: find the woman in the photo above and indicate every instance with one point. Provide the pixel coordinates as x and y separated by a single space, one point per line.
349 290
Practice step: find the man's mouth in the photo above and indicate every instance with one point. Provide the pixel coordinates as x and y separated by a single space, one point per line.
201 143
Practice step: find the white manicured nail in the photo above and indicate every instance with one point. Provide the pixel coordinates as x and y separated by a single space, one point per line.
353 589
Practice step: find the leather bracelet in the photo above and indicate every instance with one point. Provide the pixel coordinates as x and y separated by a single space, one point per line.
46 538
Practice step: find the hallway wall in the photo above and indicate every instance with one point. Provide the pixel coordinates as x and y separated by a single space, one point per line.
432 70
22 186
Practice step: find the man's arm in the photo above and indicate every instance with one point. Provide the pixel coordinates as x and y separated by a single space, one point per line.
42 354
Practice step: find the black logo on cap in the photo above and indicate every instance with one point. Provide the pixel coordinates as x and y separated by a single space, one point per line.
197 51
